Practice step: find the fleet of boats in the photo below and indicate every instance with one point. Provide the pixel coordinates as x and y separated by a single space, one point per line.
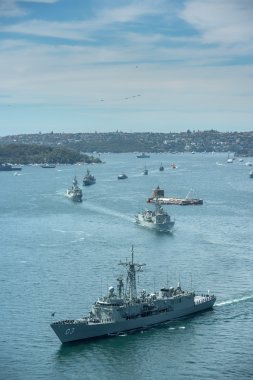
126 310
75 193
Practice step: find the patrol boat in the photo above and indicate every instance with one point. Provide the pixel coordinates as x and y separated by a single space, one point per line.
75 193
157 219
125 310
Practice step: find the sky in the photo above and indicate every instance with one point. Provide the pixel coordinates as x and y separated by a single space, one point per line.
132 66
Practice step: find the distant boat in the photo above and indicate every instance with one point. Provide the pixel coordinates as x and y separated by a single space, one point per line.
251 174
145 171
122 176
75 193
48 166
89 179
248 164
173 165
161 168
9 168
143 155
230 160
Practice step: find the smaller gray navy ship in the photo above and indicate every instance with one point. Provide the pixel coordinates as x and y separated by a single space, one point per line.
124 310
157 219
89 179
75 193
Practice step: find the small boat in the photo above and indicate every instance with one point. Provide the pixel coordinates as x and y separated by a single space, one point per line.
145 171
122 176
75 193
161 168
251 174
230 160
173 165
48 166
89 179
248 164
9 168
143 155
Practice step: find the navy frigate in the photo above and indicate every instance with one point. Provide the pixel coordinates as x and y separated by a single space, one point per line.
89 179
124 310
74 193
158 219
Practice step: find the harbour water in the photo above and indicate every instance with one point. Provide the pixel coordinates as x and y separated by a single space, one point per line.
58 256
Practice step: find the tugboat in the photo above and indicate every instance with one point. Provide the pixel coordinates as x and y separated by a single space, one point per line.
122 176
124 310
157 219
75 193
89 179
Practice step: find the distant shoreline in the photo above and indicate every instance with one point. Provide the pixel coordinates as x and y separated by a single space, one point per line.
238 143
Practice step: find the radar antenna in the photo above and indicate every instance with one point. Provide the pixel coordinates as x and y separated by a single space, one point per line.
132 268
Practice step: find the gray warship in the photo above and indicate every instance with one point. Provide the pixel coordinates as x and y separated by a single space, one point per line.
74 193
125 310
157 219
89 179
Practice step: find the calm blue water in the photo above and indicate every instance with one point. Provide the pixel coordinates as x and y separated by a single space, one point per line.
57 256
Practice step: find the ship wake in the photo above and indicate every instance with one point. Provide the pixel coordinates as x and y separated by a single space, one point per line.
235 300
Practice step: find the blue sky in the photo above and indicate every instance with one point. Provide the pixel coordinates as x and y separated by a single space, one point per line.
143 65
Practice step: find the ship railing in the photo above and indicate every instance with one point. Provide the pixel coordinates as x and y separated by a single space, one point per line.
203 298
65 321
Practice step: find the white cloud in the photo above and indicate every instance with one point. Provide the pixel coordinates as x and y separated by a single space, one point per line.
10 8
83 30
13 8
221 21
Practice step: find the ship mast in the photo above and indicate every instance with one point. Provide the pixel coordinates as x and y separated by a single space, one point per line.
132 268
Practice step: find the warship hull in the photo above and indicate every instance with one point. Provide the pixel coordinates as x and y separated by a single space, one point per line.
74 330
168 226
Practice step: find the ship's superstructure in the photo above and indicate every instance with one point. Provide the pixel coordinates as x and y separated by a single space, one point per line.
125 310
